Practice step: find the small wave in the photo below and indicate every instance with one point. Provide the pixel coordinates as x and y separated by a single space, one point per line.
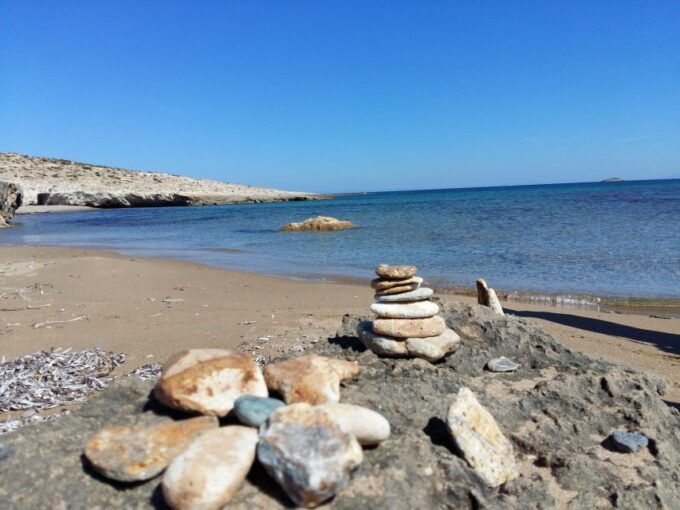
575 301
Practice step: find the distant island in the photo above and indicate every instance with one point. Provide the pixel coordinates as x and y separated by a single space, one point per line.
612 179
51 182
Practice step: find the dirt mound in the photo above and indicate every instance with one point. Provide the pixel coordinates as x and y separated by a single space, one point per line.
558 409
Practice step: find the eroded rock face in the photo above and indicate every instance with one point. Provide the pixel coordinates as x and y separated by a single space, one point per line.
211 470
131 454
481 440
318 223
410 328
395 272
311 378
307 453
208 381
114 200
11 198
557 411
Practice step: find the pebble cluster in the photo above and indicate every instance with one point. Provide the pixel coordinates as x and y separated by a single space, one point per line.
309 443
407 323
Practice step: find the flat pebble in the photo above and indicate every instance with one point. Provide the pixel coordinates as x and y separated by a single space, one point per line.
310 456
211 470
410 328
380 345
417 310
420 294
385 283
253 411
629 442
433 348
501 364
131 454
395 272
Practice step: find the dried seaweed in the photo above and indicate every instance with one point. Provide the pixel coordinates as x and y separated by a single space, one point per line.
147 372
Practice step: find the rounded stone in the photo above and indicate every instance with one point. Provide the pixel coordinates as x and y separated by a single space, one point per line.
410 328
380 345
211 470
399 289
253 411
416 310
420 294
208 381
384 283
501 364
629 442
368 426
395 272
433 348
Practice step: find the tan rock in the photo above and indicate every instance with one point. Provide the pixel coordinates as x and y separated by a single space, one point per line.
494 302
211 470
380 345
368 426
433 348
417 310
311 378
410 328
480 439
383 283
395 272
307 453
318 223
208 381
421 294
398 290
130 454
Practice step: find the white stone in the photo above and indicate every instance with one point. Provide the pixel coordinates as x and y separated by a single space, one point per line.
417 310
368 426
480 439
211 470
494 303
420 294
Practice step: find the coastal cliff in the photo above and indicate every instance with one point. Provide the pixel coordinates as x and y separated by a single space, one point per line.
48 181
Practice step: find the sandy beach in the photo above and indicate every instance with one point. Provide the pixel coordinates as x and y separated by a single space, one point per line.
151 308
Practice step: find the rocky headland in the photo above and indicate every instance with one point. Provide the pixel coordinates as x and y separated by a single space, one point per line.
48 181
560 430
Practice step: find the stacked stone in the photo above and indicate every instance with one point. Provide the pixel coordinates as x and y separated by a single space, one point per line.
407 323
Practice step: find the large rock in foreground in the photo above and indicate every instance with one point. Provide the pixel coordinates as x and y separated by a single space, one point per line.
557 409
319 224
11 198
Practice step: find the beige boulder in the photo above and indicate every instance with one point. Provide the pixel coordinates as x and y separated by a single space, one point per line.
380 345
131 454
410 328
211 470
208 381
395 272
311 378
318 223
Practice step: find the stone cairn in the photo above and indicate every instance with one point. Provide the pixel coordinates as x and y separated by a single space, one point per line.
407 324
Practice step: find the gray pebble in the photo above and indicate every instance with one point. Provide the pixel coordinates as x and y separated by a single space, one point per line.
253 411
629 442
501 364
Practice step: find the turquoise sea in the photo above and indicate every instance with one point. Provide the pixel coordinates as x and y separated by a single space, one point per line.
610 239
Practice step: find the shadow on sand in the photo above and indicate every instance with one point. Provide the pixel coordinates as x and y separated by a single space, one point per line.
667 342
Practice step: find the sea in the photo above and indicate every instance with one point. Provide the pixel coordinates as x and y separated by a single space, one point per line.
600 239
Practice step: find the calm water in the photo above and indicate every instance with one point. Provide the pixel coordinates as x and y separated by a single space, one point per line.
601 238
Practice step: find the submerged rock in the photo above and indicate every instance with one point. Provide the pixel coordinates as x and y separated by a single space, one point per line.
410 328
253 411
208 381
483 444
629 442
311 378
318 223
131 454
366 425
307 453
501 364
395 272
211 470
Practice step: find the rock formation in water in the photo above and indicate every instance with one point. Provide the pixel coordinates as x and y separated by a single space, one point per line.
318 223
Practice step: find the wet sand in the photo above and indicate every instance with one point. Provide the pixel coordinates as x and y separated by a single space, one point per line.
151 308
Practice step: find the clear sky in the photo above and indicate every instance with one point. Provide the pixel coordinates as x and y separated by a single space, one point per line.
347 95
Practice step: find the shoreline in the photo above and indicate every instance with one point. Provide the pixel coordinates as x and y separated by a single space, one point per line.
150 308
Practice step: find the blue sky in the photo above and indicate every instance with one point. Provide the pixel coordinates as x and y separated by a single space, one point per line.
347 96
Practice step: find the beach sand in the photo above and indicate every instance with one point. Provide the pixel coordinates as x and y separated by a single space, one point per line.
151 308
